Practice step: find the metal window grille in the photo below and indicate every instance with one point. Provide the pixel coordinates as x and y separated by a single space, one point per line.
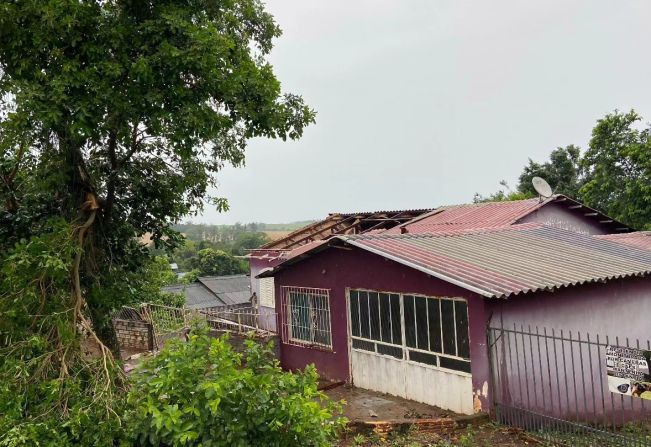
426 330
554 383
306 317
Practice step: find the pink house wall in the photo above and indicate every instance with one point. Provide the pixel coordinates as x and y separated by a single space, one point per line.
337 269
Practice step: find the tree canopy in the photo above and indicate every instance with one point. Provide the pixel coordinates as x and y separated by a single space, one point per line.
115 118
613 175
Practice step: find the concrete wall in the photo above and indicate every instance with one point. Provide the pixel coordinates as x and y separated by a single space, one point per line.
559 216
338 269
568 378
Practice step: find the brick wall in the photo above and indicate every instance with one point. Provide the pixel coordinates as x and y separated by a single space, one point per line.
133 334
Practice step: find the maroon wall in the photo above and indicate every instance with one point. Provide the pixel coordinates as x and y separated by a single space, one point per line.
337 269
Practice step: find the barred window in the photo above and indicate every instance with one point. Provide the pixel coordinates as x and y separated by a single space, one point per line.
307 317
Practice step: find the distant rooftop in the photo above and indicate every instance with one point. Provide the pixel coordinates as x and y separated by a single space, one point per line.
214 291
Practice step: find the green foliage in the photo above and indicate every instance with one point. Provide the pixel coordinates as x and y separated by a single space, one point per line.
502 195
613 175
563 171
216 262
618 169
115 118
51 392
204 393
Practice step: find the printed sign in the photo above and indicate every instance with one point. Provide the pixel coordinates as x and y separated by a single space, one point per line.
629 371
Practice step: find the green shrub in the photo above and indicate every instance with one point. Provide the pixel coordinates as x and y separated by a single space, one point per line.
203 393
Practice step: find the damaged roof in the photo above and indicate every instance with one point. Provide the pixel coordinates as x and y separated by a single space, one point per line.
504 261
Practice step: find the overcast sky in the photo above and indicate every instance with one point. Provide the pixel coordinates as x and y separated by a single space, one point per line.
423 103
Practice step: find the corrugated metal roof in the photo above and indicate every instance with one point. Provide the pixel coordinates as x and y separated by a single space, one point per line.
639 239
197 296
231 289
214 291
469 216
511 260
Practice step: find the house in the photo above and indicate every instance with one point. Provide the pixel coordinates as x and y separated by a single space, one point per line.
209 292
557 211
433 309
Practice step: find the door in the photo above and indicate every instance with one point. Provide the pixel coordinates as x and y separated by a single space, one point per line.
411 346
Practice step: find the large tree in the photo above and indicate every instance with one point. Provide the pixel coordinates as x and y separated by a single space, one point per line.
562 172
618 169
115 117
613 175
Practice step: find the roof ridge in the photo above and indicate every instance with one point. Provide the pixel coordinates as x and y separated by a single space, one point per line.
448 233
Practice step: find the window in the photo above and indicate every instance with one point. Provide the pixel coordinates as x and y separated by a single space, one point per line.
435 329
376 316
307 317
267 292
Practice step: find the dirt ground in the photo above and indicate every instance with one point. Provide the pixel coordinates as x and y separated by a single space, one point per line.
485 435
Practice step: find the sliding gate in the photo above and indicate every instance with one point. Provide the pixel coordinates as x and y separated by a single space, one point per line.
572 388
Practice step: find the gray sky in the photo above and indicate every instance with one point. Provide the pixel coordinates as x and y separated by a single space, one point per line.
425 102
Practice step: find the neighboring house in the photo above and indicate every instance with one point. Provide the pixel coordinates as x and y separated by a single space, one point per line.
233 291
405 311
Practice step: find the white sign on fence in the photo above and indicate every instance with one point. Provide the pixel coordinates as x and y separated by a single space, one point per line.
629 371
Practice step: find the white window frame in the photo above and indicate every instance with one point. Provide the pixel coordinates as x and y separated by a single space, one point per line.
403 345
287 336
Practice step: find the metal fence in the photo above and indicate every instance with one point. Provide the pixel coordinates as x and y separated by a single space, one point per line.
555 384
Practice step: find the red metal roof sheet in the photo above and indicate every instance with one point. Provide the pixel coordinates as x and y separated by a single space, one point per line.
639 239
506 261
469 216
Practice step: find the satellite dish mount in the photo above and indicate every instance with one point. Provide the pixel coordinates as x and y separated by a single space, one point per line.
542 188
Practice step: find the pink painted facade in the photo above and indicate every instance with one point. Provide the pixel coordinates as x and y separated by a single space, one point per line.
339 269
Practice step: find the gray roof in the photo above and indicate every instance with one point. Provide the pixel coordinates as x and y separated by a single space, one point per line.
214 291
232 289
511 260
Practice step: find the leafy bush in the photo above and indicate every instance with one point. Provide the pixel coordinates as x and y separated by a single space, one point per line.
203 393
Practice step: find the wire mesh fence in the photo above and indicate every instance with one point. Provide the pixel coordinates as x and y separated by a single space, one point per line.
570 388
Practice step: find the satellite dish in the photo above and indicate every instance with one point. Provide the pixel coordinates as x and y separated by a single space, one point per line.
542 187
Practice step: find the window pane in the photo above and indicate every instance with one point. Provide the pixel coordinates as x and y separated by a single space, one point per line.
420 357
421 323
433 308
365 345
374 309
320 320
385 317
300 313
393 351
396 324
410 322
457 365
463 344
363 315
447 315
354 313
